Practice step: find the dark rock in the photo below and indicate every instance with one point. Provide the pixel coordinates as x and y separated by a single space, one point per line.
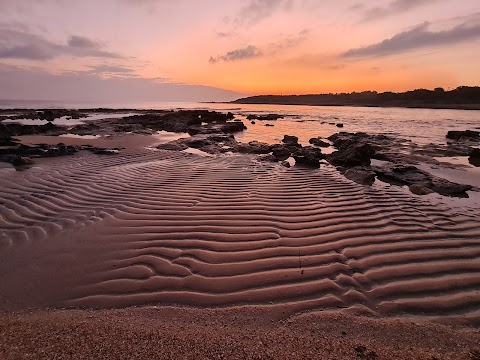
410 175
103 151
287 139
318 142
463 135
22 161
271 125
5 138
340 125
352 154
361 175
228 127
474 158
269 158
252 122
269 117
306 161
281 153
286 164
419 189
253 147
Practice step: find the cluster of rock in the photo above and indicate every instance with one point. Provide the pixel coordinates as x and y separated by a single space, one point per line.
356 150
47 114
21 155
187 121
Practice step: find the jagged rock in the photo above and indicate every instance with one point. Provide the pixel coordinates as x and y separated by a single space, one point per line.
360 175
463 135
318 142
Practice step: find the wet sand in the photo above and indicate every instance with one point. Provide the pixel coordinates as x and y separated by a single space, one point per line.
170 228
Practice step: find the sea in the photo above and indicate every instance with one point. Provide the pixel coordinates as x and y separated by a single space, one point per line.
422 126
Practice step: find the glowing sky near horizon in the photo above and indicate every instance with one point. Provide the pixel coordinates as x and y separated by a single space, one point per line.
246 46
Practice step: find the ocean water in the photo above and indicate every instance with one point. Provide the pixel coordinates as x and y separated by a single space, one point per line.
422 126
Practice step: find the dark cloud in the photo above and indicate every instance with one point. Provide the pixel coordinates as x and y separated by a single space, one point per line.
238 54
394 8
257 10
18 43
418 37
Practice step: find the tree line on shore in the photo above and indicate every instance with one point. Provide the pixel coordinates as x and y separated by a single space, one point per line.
464 97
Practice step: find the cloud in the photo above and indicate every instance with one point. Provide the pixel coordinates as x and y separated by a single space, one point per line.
257 10
418 37
18 43
238 54
290 41
393 8
21 83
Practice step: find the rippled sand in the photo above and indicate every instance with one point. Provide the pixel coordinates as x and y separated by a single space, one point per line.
172 228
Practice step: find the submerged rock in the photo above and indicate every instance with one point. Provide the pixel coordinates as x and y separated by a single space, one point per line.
269 117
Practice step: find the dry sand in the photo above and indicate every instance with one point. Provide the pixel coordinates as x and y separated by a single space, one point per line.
235 333
172 228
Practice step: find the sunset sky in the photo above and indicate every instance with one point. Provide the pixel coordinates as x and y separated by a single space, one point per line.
170 50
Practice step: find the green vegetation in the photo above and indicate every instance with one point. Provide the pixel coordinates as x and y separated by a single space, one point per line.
463 97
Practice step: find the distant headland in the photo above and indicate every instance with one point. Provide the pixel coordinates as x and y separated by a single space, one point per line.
463 97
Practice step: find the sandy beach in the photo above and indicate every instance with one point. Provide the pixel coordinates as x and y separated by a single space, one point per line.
227 256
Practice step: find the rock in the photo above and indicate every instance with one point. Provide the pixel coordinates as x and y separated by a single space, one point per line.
271 125
291 140
474 158
5 138
253 147
281 153
269 158
103 151
318 142
228 127
410 175
463 135
340 125
22 161
286 164
306 161
252 122
360 175
419 189
269 117
352 154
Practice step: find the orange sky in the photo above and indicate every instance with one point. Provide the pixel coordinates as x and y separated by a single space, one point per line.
248 46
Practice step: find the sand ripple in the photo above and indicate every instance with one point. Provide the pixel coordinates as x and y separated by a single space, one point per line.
175 228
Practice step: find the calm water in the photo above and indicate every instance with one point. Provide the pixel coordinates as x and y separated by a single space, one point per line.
419 125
